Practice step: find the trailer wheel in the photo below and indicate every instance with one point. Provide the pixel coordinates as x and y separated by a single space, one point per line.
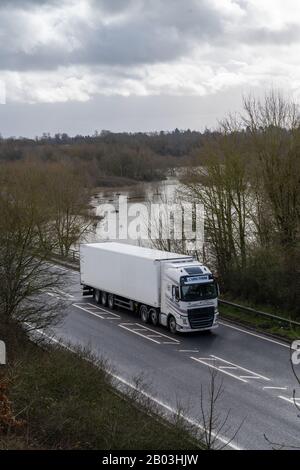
97 296
104 298
172 325
153 313
144 313
111 301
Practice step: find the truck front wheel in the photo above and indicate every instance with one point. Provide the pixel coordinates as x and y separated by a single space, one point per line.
172 325
144 312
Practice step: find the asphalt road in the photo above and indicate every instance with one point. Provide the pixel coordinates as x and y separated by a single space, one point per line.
254 370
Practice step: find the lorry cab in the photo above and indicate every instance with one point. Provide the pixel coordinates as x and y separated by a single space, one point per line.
189 297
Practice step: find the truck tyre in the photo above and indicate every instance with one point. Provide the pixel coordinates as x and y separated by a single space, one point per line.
111 301
172 325
97 296
144 313
104 298
153 313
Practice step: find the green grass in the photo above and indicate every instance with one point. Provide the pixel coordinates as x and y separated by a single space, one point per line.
68 403
259 322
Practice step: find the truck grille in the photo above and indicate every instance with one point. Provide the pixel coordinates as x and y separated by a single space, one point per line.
201 317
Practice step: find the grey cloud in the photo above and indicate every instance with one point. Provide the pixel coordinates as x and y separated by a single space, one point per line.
26 3
263 35
149 32
142 32
115 6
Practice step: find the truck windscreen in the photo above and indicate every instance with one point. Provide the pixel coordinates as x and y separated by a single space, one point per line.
192 292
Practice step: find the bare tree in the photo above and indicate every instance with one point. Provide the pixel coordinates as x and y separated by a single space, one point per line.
274 126
167 230
68 199
214 425
24 271
221 185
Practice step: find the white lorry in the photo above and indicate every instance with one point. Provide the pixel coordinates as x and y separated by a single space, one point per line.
163 288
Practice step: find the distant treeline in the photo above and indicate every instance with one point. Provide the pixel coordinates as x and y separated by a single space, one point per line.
102 156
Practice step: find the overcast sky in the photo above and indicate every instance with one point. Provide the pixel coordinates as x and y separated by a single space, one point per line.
80 65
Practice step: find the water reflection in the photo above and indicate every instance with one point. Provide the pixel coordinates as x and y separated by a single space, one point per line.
155 192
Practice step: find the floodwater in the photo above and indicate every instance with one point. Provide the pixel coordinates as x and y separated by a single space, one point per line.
113 203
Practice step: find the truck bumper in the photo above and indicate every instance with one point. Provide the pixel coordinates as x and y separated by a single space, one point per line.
187 329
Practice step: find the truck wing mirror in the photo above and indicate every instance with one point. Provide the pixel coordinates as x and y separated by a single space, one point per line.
175 293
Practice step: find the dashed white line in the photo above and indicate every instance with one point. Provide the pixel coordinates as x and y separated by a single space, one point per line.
214 362
143 331
160 334
242 368
274 388
139 334
292 400
189 350
103 314
64 293
227 367
217 368
174 412
249 377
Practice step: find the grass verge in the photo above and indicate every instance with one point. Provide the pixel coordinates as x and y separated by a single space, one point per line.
261 324
59 400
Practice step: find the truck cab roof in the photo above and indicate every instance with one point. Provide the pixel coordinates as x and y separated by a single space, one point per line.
191 268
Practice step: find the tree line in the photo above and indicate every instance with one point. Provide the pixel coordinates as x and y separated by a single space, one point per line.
248 179
109 157
44 211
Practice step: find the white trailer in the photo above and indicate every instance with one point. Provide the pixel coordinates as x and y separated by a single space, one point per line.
162 287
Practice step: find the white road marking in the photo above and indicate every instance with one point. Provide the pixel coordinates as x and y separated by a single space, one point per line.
56 296
61 292
227 367
189 350
189 420
214 367
242 368
254 334
160 334
103 314
249 377
274 388
290 400
214 362
136 328
139 334
61 268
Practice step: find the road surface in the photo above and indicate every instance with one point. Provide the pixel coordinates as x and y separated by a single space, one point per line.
255 370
